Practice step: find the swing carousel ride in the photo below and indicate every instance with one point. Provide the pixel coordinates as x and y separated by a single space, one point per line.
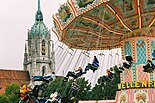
108 24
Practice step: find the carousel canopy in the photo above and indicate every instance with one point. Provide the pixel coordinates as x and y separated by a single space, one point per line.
103 24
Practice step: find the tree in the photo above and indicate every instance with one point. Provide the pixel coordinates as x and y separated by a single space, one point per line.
10 95
65 89
106 89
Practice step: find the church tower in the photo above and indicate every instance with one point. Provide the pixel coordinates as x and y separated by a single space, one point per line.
39 53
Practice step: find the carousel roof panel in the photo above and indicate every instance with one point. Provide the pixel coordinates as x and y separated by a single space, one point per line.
83 23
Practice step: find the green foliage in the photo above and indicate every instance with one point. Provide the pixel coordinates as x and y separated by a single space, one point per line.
106 89
4 99
102 90
66 91
9 96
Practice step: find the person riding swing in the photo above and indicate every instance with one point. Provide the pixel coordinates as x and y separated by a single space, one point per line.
94 66
45 78
75 74
127 63
109 76
149 67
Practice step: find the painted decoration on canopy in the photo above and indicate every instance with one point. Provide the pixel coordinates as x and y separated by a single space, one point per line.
137 95
141 96
102 13
56 26
64 13
84 3
141 52
123 97
147 18
108 19
149 4
128 48
133 22
125 6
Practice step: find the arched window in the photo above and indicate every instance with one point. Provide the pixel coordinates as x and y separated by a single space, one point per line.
43 48
29 48
128 48
141 52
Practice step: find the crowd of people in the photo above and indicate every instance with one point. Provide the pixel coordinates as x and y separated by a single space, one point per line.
31 93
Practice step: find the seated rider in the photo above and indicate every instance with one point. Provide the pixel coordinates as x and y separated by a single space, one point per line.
39 89
50 76
149 67
22 92
45 78
153 55
126 63
94 66
109 75
75 74
54 98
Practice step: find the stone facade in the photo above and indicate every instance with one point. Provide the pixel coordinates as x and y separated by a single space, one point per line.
39 54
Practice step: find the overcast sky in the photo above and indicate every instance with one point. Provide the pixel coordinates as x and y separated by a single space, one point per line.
16 17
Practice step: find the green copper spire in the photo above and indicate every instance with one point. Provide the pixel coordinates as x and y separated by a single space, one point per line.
39 27
39 15
38 5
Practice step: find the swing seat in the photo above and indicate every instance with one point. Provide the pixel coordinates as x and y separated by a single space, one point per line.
94 68
95 64
40 78
78 75
125 65
129 59
120 70
153 58
104 78
148 69
37 78
111 76
48 78
153 54
88 67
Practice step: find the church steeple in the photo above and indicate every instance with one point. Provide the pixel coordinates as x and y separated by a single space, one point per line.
39 55
39 15
38 5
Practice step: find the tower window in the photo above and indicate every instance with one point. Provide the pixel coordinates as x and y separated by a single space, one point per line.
43 70
43 47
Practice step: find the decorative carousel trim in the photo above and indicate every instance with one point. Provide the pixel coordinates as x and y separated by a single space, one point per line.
57 34
152 22
139 15
119 17
70 4
148 48
103 25
91 32
83 10
57 21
